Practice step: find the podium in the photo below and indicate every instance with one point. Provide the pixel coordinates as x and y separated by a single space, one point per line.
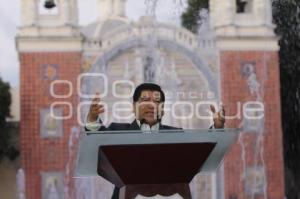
156 163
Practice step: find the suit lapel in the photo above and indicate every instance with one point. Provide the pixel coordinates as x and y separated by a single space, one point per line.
160 126
134 126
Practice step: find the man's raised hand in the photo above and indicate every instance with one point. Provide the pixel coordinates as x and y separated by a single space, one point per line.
95 109
219 117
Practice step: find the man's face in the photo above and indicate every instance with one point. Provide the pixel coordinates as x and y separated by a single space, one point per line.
148 107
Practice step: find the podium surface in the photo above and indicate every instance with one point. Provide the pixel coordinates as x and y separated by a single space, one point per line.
168 157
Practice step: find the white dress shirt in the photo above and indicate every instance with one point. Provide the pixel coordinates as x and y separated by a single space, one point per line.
146 128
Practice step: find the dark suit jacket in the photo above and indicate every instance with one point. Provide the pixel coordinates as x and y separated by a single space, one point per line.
128 126
131 126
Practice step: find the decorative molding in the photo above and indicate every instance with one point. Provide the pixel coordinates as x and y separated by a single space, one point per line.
245 31
248 44
142 31
37 31
48 44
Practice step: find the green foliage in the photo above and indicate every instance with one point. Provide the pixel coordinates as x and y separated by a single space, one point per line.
286 14
191 19
5 101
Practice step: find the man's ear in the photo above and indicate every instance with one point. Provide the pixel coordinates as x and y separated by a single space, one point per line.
134 107
161 111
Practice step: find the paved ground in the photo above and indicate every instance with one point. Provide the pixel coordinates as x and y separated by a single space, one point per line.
8 171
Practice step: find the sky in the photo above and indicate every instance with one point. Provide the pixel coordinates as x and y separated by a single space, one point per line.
166 11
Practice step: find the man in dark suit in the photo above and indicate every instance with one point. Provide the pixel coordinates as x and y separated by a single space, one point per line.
148 104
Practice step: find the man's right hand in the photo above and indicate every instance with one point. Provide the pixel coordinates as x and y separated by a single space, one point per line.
95 109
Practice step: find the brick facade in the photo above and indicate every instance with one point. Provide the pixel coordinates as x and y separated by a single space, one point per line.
44 154
234 88
51 154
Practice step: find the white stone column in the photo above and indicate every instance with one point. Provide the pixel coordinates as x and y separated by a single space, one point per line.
74 12
119 7
263 11
111 8
104 9
222 12
69 12
29 10
65 11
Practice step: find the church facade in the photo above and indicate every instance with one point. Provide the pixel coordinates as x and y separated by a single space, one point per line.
63 64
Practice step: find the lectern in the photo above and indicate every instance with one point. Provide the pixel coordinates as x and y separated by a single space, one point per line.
148 164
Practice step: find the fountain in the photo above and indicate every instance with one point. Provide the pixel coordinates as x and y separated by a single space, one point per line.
153 63
150 58
235 58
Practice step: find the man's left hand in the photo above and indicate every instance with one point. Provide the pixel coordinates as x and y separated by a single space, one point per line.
219 117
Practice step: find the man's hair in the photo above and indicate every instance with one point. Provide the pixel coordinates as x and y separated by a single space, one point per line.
147 86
